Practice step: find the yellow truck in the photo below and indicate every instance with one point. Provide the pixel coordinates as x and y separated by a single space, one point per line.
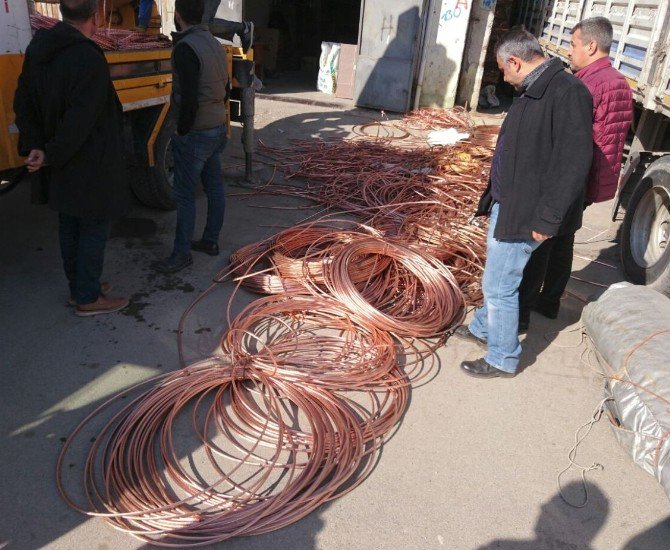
143 82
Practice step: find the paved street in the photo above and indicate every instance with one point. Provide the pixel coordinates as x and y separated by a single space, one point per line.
473 464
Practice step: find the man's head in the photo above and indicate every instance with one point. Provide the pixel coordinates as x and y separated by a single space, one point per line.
591 40
518 52
81 14
188 12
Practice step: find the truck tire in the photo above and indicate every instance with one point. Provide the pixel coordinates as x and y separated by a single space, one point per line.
153 185
645 233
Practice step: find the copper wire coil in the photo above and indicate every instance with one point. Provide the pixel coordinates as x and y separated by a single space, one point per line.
291 259
263 469
281 263
415 296
309 339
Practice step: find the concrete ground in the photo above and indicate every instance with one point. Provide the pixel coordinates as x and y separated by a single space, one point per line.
473 464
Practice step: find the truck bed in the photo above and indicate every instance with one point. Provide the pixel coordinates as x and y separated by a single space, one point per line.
641 47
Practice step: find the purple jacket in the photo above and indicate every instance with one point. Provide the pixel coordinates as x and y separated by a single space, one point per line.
612 116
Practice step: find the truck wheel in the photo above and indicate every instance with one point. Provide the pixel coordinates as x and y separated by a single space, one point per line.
154 187
645 233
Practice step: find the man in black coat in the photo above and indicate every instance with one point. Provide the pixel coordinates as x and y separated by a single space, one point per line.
69 119
536 190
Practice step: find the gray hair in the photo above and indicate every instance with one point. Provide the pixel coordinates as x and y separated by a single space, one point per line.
598 29
518 43
78 10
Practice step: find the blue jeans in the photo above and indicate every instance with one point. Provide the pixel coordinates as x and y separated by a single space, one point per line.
82 247
197 158
497 321
144 13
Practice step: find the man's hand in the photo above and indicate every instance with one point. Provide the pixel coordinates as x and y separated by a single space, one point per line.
540 237
36 159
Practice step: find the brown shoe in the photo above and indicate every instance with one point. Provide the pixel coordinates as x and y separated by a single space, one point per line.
104 304
105 288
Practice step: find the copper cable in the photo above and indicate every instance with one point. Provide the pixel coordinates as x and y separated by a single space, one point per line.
267 464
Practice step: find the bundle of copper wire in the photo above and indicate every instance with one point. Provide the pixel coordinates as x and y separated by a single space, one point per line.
398 288
436 118
280 264
269 452
308 339
111 39
415 296
306 384
422 197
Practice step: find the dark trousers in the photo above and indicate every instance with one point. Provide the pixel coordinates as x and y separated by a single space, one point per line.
82 247
546 275
221 28
197 158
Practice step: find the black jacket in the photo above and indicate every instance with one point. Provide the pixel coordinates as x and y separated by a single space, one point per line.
65 104
547 152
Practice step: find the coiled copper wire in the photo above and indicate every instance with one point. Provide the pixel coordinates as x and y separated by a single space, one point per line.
422 196
292 408
416 296
267 463
308 339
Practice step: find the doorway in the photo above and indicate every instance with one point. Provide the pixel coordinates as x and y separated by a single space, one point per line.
288 36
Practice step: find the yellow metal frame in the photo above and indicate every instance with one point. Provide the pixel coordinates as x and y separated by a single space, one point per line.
133 93
154 134
10 69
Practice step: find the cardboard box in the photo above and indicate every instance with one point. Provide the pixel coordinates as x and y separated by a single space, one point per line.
346 71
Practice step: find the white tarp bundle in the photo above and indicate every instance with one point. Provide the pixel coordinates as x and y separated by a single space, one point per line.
630 328
328 63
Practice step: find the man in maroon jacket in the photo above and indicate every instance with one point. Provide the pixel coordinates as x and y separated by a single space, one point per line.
547 273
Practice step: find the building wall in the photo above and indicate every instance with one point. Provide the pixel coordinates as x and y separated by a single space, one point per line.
478 39
446 31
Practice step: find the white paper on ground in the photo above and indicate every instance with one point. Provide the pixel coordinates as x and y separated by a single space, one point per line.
450 136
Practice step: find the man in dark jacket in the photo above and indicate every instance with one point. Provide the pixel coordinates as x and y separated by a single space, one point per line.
199 88
548 271
69 119
536 190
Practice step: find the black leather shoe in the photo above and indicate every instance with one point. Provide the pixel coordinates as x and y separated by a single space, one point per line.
208 247
463 332
523 326
546 311
481 369
174 263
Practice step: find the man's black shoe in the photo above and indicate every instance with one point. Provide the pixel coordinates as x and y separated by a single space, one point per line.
479 368
463 332
523 325
247 37
208 247
174 263
546 311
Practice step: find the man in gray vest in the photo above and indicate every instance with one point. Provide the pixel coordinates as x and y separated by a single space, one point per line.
199 87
